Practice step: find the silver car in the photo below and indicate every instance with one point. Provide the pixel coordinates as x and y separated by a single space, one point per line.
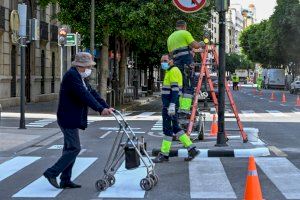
295 86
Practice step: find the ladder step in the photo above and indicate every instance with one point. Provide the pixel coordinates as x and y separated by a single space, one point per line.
232 130
229 116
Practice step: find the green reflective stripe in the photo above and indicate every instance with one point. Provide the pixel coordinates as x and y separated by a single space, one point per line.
186 141
185 103
165 147
165 92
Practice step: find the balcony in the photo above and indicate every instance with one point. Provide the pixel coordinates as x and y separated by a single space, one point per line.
2 18
44 31
53 33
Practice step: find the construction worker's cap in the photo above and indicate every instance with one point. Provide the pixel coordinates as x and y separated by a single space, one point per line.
180 23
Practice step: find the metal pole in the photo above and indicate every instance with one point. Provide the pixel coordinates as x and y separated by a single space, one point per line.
221 138
61 62
22 83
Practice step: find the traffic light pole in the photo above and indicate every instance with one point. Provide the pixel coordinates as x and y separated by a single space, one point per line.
221 138
61 61
22 85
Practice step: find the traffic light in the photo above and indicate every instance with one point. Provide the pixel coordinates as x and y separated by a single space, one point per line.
206 37
62 36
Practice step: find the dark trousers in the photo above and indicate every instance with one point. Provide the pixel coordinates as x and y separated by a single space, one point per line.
184 63
65 163
170 124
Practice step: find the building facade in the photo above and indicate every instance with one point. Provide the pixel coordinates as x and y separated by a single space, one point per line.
42 68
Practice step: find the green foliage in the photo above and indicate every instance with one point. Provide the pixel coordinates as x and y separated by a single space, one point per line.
236 61
276 41
144 24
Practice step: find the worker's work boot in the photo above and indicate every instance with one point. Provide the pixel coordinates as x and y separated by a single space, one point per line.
192 153
160 158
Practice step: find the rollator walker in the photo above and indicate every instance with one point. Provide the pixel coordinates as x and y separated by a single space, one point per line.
126 143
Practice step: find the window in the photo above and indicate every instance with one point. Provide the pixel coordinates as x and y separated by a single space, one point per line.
53 9
215 30
13 4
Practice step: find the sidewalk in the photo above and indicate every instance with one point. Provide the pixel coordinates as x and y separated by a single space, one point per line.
14 140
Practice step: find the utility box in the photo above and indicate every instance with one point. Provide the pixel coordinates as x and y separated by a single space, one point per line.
34 29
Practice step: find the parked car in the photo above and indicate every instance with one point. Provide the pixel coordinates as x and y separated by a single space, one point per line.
295 86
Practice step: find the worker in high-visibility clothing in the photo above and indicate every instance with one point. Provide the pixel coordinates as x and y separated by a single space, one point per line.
171 90
180 44
259 81
235 81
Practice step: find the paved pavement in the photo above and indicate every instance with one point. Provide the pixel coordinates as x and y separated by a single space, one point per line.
204 178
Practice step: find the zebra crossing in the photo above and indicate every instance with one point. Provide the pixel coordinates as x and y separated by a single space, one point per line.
40 123
208 178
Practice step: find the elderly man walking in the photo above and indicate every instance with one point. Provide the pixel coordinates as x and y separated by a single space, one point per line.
75 97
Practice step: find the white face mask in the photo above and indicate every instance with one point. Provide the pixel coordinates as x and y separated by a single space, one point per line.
86 73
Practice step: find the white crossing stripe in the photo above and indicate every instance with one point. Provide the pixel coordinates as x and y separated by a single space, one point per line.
127 183
41 123
284 175
276 113
249 113
42 188
105 134
12 166
211 182
144 114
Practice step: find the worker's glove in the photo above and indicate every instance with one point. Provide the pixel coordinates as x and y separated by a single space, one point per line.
171 109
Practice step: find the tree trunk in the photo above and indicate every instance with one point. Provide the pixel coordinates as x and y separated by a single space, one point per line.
122 68
104 68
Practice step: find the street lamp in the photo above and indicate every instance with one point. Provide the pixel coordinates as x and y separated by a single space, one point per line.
221 6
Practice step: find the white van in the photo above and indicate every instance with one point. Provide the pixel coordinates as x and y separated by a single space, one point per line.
275 79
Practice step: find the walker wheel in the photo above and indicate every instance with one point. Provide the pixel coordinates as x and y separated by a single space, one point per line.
110 179
101 185
154 178
146 184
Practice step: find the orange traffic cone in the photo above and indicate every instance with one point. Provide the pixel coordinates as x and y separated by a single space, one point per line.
214 126
283 98
252 189
298 101
272 96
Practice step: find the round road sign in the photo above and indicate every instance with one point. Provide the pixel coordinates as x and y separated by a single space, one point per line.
189 6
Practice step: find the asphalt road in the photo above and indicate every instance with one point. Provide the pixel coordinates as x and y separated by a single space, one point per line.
204 178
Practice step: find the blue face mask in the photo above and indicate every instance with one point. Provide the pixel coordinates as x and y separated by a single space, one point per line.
165 66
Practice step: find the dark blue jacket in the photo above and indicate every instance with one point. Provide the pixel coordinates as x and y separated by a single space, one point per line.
74 100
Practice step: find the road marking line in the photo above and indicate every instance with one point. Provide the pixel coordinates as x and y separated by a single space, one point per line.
249 113
259 142
42 188
56 147
127 183
105 134
262 98
114 128
276 113
284 175
34 125
156 129
212 173
283 104
277 151
12 166
144 114
156 134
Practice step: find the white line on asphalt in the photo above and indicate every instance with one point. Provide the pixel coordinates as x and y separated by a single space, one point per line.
56 147
105 134
35 125
212 174
276 113
42 188
115 128
12 166
262 98
284 175
156 134
249 113
258 143
127 183
144 114
277 151
156 129
283 104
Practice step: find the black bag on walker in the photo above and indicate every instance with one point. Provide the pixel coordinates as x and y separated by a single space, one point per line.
132 159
